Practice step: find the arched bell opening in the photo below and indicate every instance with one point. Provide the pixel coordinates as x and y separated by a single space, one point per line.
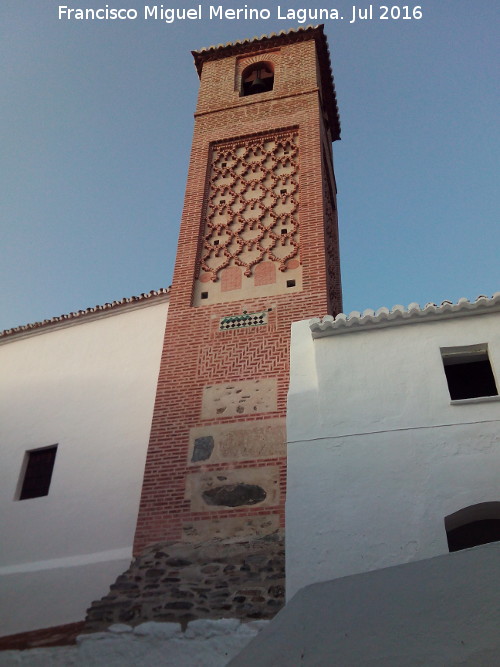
257 78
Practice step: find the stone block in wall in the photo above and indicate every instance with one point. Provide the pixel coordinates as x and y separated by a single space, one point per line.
229 489
233 399
240 441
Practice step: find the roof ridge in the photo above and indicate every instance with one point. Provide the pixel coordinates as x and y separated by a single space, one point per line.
255 38
82 313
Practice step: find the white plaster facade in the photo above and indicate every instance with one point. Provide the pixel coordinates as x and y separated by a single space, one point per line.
378 454
86 383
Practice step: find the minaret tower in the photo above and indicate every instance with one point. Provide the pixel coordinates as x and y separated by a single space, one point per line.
258 249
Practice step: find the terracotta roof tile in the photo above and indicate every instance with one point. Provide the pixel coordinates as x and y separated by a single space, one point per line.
83 313
251 40
383 317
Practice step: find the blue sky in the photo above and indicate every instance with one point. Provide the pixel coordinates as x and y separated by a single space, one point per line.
97 118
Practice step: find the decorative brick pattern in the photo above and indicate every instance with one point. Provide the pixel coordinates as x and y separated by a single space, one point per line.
265 355
252 210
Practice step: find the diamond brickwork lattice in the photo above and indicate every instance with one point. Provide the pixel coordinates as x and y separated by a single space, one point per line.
253 200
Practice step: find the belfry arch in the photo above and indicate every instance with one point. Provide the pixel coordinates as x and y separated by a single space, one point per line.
257 78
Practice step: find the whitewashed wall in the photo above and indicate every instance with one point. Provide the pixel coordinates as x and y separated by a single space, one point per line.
89 387
377 454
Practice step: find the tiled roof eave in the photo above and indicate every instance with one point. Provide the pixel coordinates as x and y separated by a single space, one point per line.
85 315
399 315
240 46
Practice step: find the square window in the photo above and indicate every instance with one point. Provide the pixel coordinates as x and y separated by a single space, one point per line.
39 465
468 372
290 283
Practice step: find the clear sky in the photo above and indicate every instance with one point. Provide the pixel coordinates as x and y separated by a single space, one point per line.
95 134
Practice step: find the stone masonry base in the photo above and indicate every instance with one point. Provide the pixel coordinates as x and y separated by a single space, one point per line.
178 582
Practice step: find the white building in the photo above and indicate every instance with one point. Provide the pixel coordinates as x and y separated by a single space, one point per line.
393 438
81 389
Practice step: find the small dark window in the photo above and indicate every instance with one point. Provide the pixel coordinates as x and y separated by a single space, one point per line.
38 473
257 78
290 283
283 192
468 372
283 230
216 242
223 164
204 295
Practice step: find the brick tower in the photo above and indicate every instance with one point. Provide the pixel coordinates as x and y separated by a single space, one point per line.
258 249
